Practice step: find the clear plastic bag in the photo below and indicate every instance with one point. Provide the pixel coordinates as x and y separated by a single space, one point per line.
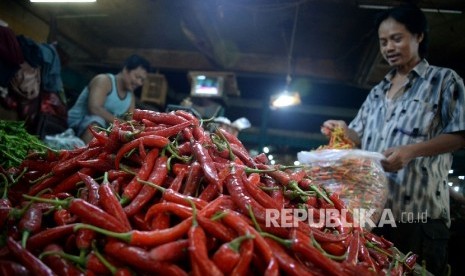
356 175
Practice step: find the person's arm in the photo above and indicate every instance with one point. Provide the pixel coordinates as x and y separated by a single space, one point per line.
99 88
132 106
399 157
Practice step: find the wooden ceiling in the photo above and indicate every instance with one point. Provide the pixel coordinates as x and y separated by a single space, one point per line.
333 41
333 44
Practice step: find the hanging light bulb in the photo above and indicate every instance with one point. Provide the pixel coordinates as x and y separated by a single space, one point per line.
286 98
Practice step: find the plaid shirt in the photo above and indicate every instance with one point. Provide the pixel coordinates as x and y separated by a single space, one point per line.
432 103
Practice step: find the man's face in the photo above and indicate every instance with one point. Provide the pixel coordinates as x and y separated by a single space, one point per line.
398 46
135 78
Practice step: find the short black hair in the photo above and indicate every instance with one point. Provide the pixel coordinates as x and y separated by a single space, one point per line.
412 18
134 61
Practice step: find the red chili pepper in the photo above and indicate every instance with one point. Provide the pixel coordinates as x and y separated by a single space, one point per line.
188 116
48 236
59 265
63 217
133 188
334 248
235 221
166 132
198 251
228 254
289 264
43 166
184 149
125 136
87 212
150 140
177 182
5 205
243 155
381 260
251 186
276 191
206 162
31 262
114 174
138 222
410 261
301 244
169 195
30 222
193 179
100 136
170 251
169 118
353 248
146 193
209 193
104 162
139 258
378 240
242 198
282 177
8 267
162 219
110 203
364 255
298 175
305 184
156 237
84 238
92 188
242 267
232 139
71 164
45 183
90 262
176 168
113 143
187 134
69 183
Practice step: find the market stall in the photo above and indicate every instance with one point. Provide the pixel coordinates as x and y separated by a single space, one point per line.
160 195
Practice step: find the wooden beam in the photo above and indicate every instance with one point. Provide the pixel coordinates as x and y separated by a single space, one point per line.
248 63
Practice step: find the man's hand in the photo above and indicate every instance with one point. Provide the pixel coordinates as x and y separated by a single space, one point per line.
330 125
396 158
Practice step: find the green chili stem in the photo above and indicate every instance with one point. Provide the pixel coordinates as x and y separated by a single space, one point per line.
42 177
254 220
236 243
331 256
104 261
286 243
75 259
269 188
153 185
122 236
323 195
217 216
380 250
195 223
59 202
231 155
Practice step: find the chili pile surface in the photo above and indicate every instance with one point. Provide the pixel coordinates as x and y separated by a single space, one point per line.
161 195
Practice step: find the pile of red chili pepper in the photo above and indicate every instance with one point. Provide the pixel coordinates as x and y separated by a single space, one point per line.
160 195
